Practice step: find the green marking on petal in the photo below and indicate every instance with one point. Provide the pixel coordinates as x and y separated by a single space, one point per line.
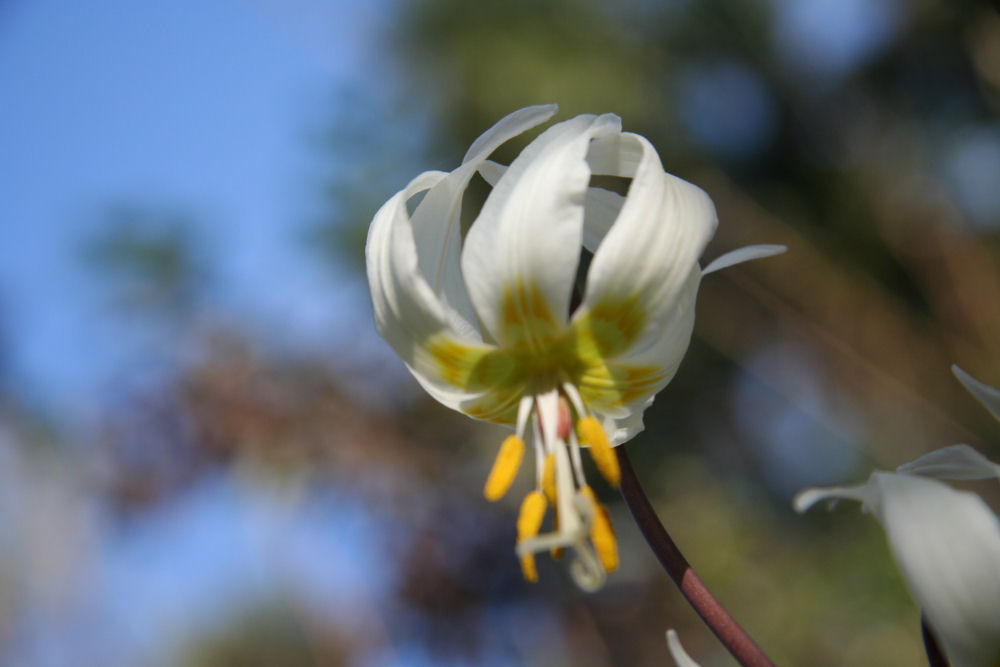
609 328
526 318
499 406
540 352
605 386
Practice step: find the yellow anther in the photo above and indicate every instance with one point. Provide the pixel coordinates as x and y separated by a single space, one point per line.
528 568
556 552
549 478
592 433
602 534
529 522
504 468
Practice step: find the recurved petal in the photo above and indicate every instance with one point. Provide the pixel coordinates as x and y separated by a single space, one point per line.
600 206
520 255
436 221
947 544
408 314
954 462
985 394
644 276
744 254
632 365
681 658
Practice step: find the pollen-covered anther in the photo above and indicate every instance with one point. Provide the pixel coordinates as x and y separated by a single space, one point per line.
529 522
505 468
592 433
602 534
549 478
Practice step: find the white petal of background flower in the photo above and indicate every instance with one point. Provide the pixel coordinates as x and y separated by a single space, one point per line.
985 394
955 462
947 544
677 651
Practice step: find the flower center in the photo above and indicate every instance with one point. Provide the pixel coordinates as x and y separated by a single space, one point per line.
580 521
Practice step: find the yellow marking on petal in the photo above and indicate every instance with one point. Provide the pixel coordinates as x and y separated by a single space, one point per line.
498 406
549 478
454 361
525 316
469 366
602 533
529 521
505 468
592 433
612 385
609 327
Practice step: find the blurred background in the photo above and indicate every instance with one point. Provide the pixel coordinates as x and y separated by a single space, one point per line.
207 456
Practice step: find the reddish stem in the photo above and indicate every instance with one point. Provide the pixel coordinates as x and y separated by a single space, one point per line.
935 657
729 632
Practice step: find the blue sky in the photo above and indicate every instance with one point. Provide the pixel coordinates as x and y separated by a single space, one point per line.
206 107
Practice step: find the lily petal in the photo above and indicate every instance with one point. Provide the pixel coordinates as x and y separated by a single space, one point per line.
436 222
947 544
681 658
521 253
638 309
955 462
600 206
622 388
985 394
744 254
645 262
408 314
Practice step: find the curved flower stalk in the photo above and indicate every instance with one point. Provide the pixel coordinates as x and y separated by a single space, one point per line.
485 325
946 542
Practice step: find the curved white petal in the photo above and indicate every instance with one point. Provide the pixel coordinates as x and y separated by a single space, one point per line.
985 394
528 234
509 126
436 221
741 255
407 312
624 428
677 651
601 209
809 497
600 206
641 373
947 545
955 462
643 280
650 254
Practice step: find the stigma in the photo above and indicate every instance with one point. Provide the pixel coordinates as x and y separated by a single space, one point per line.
558 426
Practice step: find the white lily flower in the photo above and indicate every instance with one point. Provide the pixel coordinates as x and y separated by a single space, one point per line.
485 325
946 542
